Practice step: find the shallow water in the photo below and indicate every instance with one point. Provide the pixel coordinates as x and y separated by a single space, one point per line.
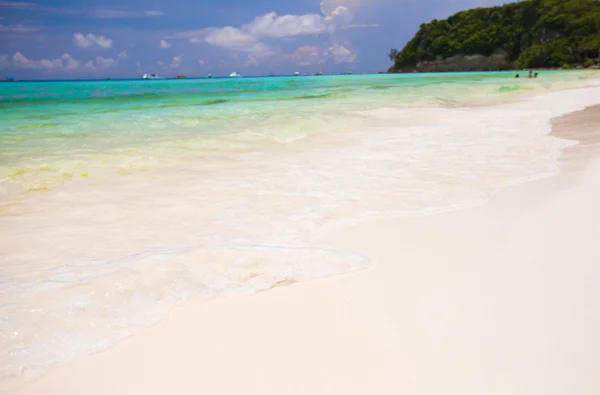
121 199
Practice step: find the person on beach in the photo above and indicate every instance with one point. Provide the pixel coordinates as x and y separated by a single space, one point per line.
530 74
535 75
517 76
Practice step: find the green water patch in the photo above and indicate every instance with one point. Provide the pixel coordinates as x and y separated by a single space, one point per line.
204 118
341 93
213 102
307 97
39 125
96 100
51 115
17 173
518 87
509 88
31 136
67 135
188 103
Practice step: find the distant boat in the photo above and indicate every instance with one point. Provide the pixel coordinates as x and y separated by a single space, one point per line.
9 78
180 76
234 74
209 76
319 73
296 74
152 76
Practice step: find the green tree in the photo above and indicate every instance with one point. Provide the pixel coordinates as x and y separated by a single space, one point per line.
532 33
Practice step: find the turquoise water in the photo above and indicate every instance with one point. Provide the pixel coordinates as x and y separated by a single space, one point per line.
122 199
51 130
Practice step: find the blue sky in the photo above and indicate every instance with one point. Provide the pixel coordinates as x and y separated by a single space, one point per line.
120 39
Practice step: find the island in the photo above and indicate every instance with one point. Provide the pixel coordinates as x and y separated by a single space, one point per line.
526 34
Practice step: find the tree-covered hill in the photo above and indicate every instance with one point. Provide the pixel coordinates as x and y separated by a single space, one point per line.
526 34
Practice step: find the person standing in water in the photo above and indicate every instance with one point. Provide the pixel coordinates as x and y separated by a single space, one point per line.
530 74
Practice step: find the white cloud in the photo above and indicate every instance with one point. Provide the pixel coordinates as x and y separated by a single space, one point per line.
229 37
18 28
339 17
154 13
122 55
110 13
88 40
177 60
308 55
313 55
341 54
17 4
70 63
175 63
165 44
20 61
328 7
202 62
65 63
248 38
104 63
272 25
234 39
99 64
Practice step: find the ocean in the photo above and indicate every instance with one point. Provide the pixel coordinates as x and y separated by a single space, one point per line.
122 199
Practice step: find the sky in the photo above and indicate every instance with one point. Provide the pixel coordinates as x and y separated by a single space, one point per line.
69 39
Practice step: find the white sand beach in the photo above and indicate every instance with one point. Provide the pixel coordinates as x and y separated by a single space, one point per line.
501 298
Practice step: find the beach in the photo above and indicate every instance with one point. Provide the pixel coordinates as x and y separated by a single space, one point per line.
461 260
498 298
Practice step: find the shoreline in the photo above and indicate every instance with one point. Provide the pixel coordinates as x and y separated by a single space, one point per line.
596 68
376 330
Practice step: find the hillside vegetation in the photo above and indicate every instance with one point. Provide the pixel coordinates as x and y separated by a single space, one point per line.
527 34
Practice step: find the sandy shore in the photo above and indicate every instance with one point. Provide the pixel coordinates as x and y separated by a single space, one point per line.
497 299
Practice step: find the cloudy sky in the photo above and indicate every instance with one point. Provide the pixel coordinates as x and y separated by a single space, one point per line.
72 39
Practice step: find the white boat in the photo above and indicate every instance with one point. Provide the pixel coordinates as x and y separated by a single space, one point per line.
296 74
152 76
234 74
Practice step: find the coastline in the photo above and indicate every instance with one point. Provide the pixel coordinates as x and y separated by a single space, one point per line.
492 308
510 69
